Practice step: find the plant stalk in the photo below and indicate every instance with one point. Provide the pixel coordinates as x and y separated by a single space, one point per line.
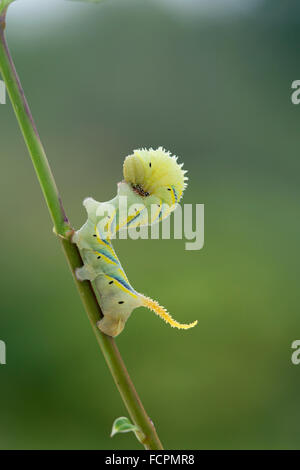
64 231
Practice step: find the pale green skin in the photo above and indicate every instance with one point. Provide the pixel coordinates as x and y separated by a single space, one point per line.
101 271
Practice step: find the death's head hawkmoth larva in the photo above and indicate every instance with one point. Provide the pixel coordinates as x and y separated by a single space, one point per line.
152 179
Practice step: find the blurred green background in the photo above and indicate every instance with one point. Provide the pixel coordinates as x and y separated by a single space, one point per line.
213 85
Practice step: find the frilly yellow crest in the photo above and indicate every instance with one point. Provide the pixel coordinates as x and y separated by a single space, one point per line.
155 173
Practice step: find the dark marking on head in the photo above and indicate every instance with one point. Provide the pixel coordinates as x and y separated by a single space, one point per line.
98 257
121 302
94 235
169 189
137 188
150 164
110 282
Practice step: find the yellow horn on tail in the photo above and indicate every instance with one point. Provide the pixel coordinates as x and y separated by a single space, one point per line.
162 313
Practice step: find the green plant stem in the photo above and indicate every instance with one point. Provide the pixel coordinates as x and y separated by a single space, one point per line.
64 231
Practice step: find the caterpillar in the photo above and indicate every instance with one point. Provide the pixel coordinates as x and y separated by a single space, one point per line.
152 186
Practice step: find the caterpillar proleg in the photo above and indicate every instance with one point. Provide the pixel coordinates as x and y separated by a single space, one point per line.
152 179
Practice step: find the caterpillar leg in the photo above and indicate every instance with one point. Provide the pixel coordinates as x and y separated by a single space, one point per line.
111 326
85 273
90 205
75 238
162 313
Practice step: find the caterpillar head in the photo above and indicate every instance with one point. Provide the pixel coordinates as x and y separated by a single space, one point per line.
155 173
